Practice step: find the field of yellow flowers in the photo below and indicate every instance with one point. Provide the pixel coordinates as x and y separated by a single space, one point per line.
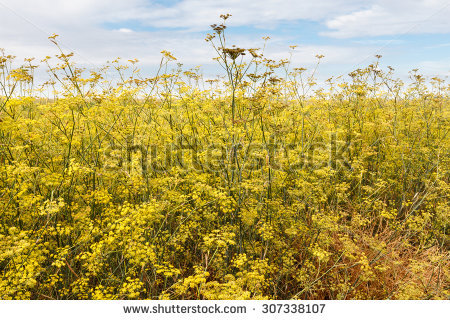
258 185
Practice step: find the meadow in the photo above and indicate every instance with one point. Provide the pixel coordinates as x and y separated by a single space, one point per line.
261 184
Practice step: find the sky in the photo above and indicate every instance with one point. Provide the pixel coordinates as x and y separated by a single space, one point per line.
408 34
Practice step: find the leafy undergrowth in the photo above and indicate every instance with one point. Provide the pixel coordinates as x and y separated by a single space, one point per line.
259 186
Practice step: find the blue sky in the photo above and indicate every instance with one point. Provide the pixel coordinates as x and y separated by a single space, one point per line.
407 33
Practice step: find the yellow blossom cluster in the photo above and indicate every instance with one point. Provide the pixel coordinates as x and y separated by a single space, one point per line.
261 185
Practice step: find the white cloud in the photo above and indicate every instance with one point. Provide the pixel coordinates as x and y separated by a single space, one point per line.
435 67
199 14
125 30
387 17
81 25
101 30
